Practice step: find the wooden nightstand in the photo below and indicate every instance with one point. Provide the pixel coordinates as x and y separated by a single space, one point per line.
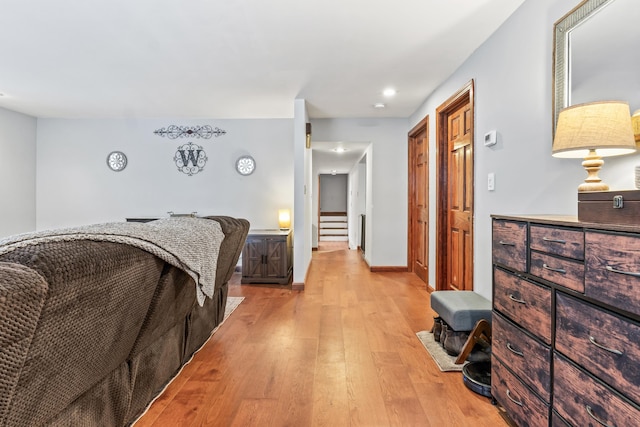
267 257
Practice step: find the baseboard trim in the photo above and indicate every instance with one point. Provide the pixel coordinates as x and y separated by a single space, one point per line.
388 269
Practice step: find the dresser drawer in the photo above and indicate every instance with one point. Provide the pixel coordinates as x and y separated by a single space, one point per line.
558 241
524 302
606 345
582 401
612 270
522 405
527 358
510 244
563 272
557 421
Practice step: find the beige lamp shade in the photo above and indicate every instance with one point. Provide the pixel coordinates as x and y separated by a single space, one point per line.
284 218
601 126
635 120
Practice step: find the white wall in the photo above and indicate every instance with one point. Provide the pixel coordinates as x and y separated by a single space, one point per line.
512 74
74 185
302 213
386 182
333 192
17 173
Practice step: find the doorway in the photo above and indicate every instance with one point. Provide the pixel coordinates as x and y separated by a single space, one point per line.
418 239
333 225
455 191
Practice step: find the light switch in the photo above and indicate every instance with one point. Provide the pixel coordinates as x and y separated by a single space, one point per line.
491 181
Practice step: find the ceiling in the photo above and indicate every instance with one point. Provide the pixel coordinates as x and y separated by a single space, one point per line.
234 58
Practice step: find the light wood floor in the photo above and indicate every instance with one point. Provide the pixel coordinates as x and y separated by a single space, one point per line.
343 352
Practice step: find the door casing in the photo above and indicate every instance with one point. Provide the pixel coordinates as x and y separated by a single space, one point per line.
461 97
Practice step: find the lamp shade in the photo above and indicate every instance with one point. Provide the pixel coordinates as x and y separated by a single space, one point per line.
602 126
284 218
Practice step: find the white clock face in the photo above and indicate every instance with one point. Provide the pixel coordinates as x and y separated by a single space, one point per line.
117 161
245 165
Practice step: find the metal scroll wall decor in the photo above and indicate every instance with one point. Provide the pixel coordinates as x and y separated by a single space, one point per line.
175 132
190 158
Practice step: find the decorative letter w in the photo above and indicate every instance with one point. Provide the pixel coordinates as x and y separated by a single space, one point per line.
190 157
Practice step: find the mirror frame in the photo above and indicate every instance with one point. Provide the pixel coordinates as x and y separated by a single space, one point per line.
561 51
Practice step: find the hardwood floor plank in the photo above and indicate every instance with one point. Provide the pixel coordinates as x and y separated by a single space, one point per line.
343 352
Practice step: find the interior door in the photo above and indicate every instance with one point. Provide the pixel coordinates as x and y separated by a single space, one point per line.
454 191
460 200
419 200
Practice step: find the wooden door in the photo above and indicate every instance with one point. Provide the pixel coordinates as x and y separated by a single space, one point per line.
454 193
460 200
419 200
276 258
253 258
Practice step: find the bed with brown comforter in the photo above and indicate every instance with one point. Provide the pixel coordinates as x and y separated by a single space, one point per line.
92 327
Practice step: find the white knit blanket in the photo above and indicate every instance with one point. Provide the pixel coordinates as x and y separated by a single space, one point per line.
190 244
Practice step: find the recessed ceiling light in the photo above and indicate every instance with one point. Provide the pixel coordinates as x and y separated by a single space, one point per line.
389 92
379 105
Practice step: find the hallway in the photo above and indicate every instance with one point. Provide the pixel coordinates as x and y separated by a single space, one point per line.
343 352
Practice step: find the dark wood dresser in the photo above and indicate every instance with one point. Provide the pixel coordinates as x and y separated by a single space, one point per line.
267 257
566 321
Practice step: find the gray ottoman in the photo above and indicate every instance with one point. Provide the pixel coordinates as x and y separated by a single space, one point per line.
461 309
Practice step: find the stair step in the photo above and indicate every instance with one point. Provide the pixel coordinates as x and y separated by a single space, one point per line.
334 232
333 218
334 238
333 225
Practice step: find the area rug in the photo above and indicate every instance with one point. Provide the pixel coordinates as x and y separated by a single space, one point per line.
232 304
438 354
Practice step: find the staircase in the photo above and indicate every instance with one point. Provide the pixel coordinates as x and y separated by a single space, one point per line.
333 227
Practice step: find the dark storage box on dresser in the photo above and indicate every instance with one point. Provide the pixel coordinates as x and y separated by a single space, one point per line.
566 321
610 207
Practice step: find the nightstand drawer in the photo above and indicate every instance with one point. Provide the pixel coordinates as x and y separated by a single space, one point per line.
522 405
564 272
582 401
526 357
606 345
558 241
526 303
612 273
510 244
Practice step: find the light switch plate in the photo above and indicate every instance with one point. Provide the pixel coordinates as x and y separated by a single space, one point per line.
491 181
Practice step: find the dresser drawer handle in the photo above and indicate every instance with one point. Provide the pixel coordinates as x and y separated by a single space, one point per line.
598 420
514 351
628 273
506 243
550 240
610 350
514 299
556 270
517 402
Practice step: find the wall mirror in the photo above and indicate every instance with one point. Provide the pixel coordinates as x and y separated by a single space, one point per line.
596 54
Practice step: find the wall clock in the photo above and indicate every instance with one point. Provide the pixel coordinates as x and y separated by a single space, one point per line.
117 161
245 165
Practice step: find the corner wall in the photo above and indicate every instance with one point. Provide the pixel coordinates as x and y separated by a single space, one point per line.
512 71
17 173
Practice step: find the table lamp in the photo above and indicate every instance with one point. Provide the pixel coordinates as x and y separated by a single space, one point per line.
284 219
592 131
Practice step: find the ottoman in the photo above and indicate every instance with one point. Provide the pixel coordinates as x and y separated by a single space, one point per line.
464 311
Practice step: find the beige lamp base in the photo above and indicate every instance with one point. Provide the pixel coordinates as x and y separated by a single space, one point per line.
592 164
